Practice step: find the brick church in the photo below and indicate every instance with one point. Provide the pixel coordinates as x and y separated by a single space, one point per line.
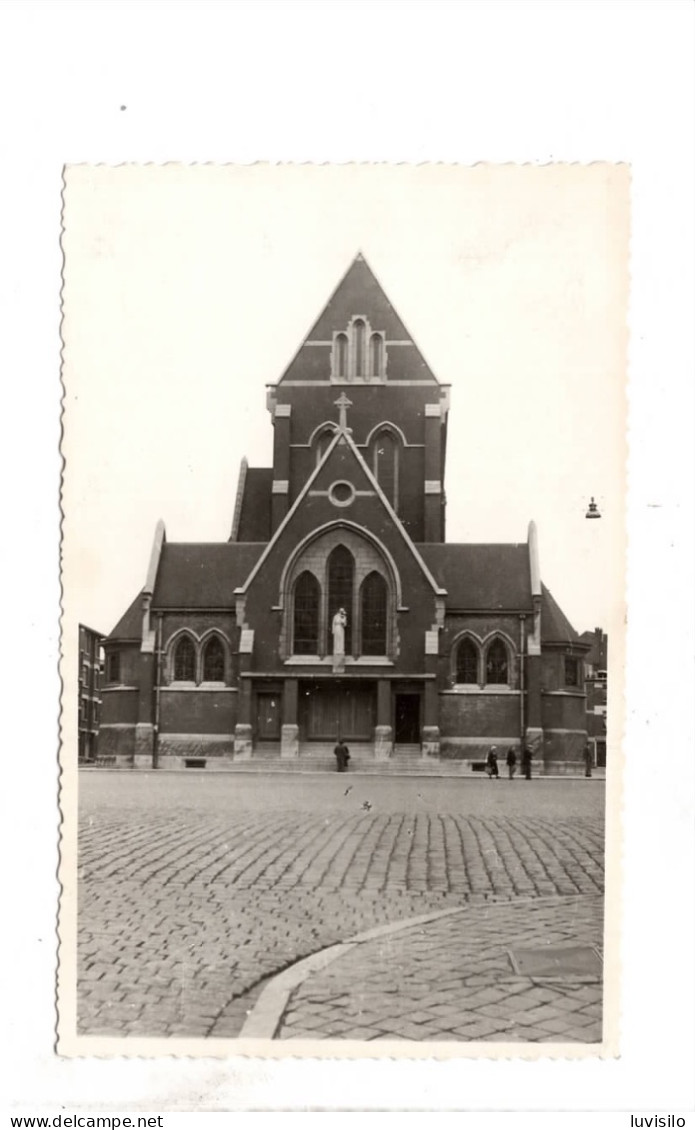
336 608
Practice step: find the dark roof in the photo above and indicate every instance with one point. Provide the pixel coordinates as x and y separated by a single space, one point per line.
254 517
555 627
202 574
129 627
481 577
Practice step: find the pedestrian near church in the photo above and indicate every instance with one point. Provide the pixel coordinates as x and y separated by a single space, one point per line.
588 760
342 756
491 763
526 760
511 762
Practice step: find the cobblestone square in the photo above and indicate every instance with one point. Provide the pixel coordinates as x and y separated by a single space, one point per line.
195 891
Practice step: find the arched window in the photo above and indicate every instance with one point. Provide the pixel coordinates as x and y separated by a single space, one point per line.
307 598
341 569
386 465
184 661
373 615
497 663
359 331
467 662
341 355
376 349
213 661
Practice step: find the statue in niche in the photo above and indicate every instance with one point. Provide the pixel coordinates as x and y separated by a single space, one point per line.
338 627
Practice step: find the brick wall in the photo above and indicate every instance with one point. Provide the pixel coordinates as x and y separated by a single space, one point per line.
197 711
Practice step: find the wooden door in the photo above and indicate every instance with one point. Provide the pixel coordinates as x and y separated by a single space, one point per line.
268 716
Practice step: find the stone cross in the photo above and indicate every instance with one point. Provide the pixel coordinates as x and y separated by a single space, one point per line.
342 404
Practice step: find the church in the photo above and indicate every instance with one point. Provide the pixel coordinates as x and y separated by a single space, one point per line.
336 608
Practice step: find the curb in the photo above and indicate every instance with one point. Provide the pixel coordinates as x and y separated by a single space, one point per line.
264 1018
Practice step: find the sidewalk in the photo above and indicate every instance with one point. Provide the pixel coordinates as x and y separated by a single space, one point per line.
521 970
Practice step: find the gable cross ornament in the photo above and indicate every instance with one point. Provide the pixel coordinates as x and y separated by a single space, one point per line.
342 404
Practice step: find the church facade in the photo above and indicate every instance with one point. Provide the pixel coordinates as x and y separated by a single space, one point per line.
336 608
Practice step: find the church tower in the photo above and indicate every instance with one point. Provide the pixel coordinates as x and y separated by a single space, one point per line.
358 355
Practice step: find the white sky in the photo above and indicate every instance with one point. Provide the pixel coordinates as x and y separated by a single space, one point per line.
187 289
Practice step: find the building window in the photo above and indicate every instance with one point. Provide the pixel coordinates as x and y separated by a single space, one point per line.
307 600
321 443
374 615
184 661
341 356
386 465
376 354
497 663
571 671
467 662
341 568
213 661
114 667
359 331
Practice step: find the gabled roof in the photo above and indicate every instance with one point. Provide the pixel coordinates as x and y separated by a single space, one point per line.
129 627
202 574
555 627
343 436
359 293
254 514
482 577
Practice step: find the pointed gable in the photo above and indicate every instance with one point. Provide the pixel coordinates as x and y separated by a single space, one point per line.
358 295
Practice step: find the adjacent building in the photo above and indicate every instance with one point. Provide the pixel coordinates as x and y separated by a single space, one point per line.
596 682
336 607
89 692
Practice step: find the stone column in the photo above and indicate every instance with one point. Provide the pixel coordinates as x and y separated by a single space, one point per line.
430 728
383 734
289 740
144 729
243 731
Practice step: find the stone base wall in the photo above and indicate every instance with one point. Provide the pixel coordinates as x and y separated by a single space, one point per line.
476 749
565 768
564 747
118 742
194 745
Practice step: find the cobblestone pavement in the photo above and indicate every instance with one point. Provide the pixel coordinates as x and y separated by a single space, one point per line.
453 979
193 890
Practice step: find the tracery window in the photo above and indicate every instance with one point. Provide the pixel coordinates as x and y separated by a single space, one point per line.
341 356
373 615
213 661
497 663
467 662
184 661
359 331
376 354
307 600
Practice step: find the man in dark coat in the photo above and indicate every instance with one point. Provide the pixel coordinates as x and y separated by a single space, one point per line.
588 760
342 756
526 760
491 763
511 762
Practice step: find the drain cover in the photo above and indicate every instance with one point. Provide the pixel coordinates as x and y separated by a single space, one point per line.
557 961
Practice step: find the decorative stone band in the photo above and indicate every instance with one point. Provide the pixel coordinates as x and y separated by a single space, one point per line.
433 486
281 486
283 410
246 641
433 410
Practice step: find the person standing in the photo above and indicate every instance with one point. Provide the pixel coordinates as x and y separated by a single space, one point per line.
588 760
526 760
491 763
342 756
511 762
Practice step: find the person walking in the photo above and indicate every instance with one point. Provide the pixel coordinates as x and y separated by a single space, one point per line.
491 763
588 760
342 756
526 759
511 762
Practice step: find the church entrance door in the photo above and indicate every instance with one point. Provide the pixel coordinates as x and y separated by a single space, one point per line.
268 717
407 728
337 709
